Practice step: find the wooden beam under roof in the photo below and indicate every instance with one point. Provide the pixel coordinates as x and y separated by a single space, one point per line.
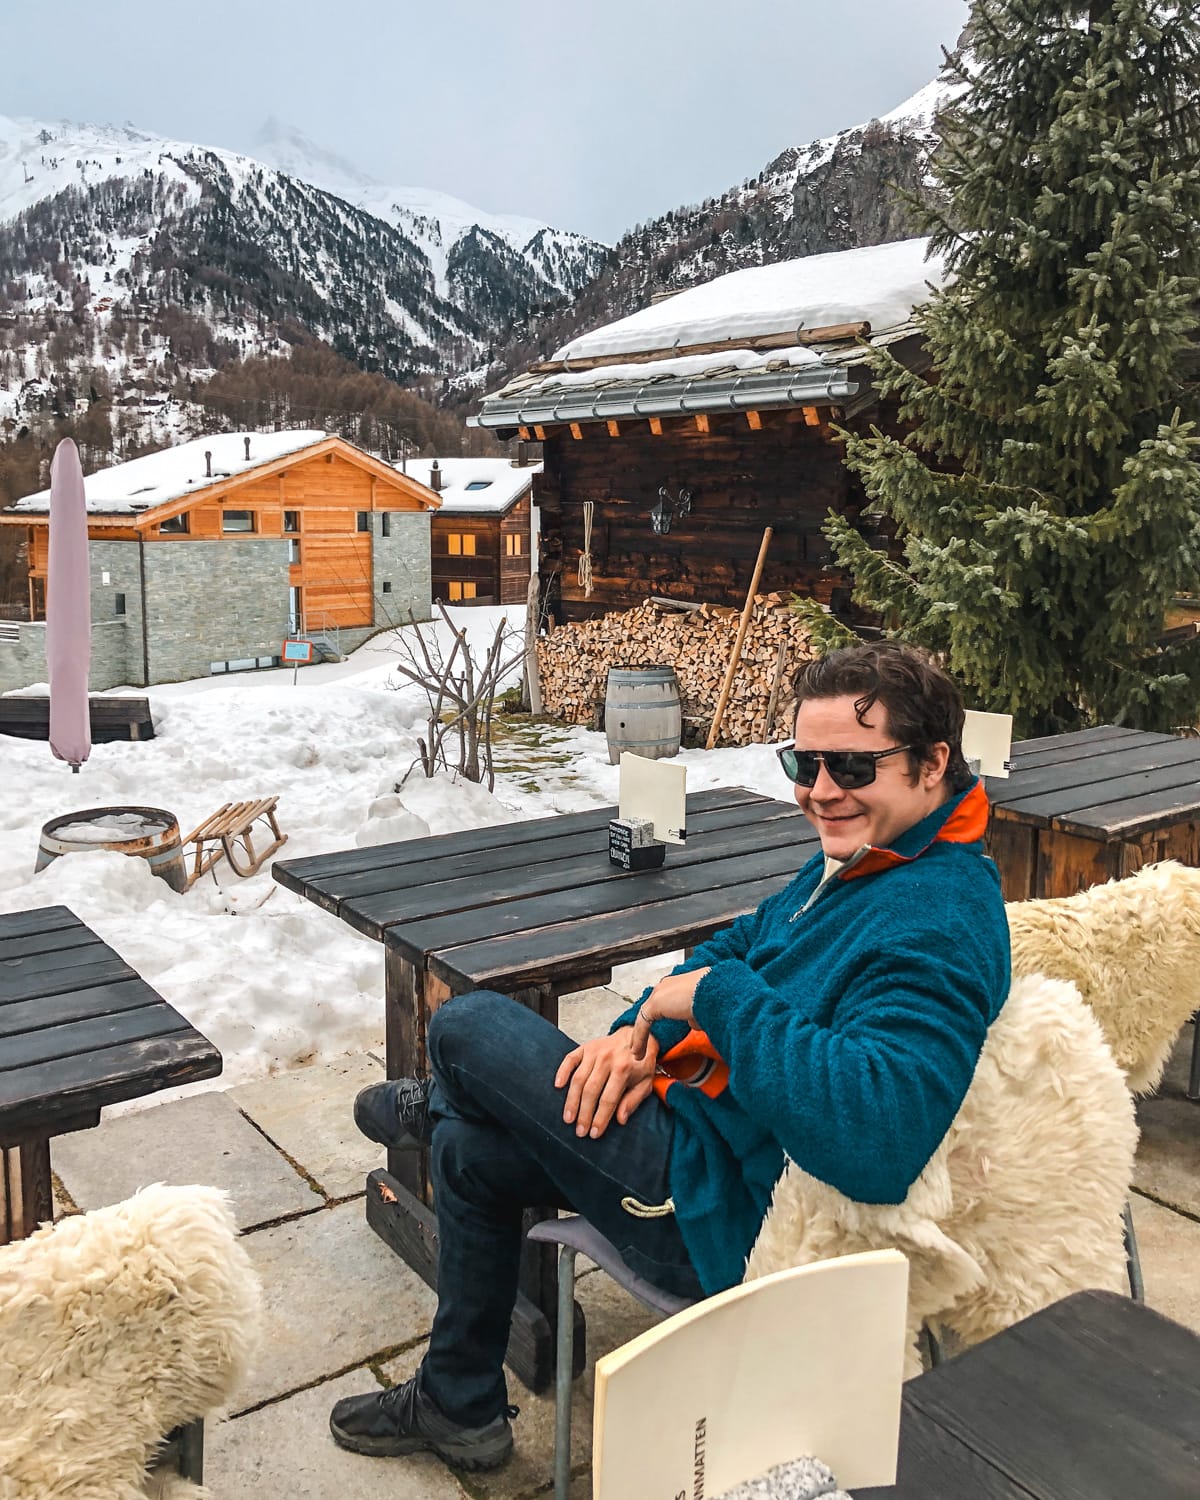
614 428
754 421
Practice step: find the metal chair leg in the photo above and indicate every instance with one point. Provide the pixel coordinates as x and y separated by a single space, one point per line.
564 1363
1133 1263
1193 1089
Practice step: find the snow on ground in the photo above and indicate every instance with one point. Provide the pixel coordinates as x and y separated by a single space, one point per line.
269 977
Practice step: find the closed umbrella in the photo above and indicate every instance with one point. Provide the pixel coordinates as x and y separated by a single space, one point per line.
68 610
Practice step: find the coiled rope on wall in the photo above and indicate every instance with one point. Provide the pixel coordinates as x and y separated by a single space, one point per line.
585 557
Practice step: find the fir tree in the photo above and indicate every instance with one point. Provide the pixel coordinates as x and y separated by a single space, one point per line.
1049 494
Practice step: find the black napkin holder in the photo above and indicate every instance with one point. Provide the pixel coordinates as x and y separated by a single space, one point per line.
632 845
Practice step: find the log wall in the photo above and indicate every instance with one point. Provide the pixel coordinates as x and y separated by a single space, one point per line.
786 474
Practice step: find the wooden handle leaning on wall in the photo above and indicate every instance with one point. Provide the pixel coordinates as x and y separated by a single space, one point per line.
736 654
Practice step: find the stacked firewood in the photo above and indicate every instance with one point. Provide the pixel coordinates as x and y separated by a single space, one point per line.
574 660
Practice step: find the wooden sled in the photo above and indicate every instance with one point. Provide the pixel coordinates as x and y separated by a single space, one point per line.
229 834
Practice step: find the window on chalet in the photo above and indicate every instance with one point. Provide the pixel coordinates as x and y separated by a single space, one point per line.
387 587
291 520
512 544
460 543
237 520
478 484
385 524
293 549
118 604
174 525
364 520
461 590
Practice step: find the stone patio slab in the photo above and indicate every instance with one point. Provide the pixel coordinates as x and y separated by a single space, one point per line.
1168 1157
202 1139
590 1013
286 1449
309 1114
1169 1247
335 1296
613 1318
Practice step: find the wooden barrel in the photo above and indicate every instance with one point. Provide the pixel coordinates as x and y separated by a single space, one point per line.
148 833
641 712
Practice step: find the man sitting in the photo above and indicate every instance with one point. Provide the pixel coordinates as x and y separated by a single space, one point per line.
839 1024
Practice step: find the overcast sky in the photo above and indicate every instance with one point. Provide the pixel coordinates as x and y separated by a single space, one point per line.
592 116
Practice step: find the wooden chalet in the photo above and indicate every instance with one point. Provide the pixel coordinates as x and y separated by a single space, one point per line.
210 553
481 536
673 437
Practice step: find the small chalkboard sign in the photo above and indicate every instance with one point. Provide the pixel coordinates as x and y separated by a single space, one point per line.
296 653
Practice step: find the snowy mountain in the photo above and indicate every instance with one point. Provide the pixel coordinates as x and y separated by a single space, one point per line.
837 193
396 279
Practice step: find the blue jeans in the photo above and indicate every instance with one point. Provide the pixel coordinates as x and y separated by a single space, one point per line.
500 1146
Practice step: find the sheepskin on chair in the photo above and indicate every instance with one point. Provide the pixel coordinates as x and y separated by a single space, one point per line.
115 1327
1133 948
1021 1203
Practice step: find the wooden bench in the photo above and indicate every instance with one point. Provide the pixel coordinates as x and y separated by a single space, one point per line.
123 718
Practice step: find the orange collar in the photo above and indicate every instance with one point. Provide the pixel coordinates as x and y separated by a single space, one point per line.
966 824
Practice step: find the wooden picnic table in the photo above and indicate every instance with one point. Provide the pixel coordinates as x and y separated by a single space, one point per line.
1094 1398
1079 809
79 1029
534 910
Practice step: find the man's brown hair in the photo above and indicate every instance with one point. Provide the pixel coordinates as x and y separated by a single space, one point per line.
921 701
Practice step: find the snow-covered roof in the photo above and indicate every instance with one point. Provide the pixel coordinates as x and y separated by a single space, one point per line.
480 485
631 367
878 284
157 478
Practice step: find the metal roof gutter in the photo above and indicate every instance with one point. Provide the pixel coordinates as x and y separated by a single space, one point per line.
804 386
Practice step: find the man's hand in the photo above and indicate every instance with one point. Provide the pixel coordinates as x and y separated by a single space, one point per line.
605 1079
670 999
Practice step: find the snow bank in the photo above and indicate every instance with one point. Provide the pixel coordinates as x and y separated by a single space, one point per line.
881 284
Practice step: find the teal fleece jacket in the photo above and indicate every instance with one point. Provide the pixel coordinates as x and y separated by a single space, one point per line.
850 1025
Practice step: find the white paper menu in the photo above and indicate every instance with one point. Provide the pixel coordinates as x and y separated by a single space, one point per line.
656 791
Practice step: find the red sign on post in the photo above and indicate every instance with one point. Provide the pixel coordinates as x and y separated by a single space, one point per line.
296 653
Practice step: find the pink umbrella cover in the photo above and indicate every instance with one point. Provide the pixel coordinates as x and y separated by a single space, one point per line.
68 610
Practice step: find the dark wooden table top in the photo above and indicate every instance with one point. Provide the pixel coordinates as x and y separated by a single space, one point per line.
540 903
1094 1398
79 1029
1104 783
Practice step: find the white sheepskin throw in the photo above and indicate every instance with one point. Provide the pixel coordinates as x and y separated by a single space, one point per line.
1133 948
115 1327
1021 1203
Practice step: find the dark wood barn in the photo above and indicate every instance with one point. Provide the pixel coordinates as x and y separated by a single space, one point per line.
481 540
686 451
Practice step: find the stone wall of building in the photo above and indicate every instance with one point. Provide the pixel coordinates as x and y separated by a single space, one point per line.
23 656
402 560
212 602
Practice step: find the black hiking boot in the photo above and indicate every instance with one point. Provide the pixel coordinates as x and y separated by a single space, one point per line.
405 1420
395 1113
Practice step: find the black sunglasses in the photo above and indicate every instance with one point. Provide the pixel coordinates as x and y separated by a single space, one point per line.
849 769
